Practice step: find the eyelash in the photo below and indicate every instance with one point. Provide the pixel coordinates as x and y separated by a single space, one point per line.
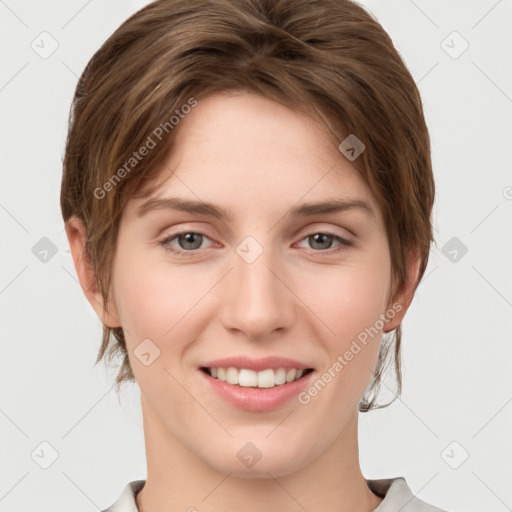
344 244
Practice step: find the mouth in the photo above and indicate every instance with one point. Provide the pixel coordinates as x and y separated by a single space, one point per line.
256 385
263 379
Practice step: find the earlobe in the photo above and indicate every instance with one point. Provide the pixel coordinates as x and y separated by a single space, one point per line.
400 302
77 237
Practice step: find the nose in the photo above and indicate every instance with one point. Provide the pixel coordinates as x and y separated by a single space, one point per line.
257 300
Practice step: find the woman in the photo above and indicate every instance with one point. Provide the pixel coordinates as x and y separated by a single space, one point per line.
247 194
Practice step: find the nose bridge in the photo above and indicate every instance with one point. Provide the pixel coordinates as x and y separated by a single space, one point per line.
254 271
258 301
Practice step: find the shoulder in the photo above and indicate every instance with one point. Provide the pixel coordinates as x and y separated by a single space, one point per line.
398 496
126 502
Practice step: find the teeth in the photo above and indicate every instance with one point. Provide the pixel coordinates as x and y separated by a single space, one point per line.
250 378
290 375
280 377
266 379
247 378
232 376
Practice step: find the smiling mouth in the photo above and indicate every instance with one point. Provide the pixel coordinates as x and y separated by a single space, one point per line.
247 378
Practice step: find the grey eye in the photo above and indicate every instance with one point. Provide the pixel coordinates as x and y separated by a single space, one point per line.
190 240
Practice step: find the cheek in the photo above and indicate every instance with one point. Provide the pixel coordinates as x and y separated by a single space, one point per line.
152 297
163 304
156 303
155 299
352 305
354 296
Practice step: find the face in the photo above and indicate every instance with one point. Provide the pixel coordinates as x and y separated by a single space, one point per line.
270 285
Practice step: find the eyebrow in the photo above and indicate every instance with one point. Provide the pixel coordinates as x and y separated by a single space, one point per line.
205 208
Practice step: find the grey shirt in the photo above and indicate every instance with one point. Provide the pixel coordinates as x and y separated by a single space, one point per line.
395 491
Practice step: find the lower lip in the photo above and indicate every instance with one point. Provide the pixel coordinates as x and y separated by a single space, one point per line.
257 399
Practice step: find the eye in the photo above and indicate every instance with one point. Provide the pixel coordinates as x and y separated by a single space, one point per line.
322 241
188 242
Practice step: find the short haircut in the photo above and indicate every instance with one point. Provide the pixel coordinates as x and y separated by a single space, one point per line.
328 59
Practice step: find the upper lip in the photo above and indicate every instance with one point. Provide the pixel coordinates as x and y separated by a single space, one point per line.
257 365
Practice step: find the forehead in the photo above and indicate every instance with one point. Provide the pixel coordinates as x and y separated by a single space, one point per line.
249 152
236 125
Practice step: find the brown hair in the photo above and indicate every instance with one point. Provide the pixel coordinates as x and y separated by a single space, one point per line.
329 59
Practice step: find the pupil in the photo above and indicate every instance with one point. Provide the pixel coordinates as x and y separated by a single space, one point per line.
189 239
321 238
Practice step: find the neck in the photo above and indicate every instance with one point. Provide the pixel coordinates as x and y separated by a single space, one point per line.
177 479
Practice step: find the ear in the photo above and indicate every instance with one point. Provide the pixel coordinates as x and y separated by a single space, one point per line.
402 299
77 237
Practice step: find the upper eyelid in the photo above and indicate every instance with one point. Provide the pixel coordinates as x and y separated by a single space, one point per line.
310 228
306 234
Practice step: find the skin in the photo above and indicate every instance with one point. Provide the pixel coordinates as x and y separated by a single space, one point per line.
298 299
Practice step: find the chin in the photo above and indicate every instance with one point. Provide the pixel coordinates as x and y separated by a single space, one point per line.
249 462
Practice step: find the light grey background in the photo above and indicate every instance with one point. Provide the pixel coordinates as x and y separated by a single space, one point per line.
457 397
